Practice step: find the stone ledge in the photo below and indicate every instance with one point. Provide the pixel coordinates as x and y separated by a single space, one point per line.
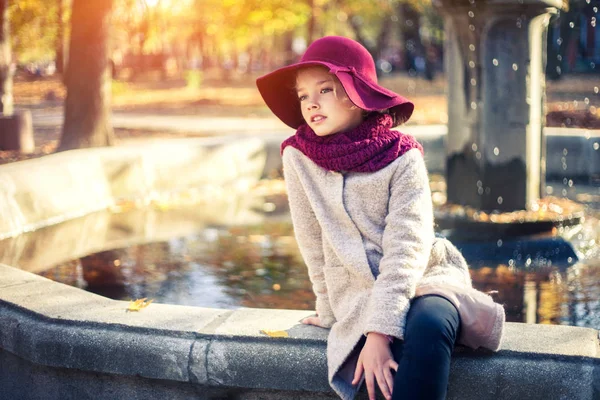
53 325
62 186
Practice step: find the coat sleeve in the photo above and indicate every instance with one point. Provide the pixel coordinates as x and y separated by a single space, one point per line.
308 236
407 239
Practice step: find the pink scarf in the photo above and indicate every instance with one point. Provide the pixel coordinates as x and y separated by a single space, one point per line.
367 148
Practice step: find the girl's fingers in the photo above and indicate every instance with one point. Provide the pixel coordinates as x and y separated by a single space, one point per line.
394 365
382 381
311 321
369 378
357 373
389 379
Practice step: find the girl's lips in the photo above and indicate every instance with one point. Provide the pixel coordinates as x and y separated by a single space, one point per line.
318 118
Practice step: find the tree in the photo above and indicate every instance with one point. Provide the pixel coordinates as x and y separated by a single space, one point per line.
88 77
6 99
60 45
34 27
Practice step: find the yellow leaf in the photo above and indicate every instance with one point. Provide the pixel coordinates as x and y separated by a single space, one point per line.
138 304
274 333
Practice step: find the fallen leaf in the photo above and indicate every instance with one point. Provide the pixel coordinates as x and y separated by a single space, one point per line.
274 333
138 304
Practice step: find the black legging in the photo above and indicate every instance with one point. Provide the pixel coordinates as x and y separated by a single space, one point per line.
423 357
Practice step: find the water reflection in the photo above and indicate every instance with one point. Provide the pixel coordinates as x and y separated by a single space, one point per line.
260 266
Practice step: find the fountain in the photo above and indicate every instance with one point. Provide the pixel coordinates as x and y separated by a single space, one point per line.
495 149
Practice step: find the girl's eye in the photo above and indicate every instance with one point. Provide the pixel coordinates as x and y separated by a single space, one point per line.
326 90
303 97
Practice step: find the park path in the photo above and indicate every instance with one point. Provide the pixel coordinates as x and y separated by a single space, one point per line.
205 125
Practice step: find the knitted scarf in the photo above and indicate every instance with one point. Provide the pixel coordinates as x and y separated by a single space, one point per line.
367 148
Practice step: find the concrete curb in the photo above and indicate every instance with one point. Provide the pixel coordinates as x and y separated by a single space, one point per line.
62 186
54 325
84 181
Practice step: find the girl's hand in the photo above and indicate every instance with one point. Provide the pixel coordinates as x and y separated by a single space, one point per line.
376 362
312 320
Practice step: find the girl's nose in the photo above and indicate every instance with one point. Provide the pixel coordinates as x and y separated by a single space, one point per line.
312 105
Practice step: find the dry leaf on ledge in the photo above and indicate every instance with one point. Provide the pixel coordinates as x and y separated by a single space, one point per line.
138 304
274 333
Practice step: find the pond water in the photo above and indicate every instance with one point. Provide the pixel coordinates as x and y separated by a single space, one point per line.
258 265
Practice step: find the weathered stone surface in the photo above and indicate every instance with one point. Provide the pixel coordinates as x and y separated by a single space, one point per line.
75 340
62 186
495 66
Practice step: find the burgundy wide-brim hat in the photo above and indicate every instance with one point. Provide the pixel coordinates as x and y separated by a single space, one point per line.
351 63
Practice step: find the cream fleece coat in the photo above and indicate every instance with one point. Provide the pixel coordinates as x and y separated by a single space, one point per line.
368 241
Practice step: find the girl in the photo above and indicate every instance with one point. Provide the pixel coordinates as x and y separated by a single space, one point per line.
363 219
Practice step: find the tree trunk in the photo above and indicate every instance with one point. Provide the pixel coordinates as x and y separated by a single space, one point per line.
312 23
353 20
60 38
88 77
6 97
382 38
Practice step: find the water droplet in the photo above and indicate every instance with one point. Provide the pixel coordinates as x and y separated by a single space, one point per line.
570 260
474 105
592 65
565 180
472 64
472 27
495 62
596 145
478 155
471 14
549 190
559 57
511 263
572 24
479 184
499 243
515 67
488 190
472 47
496 151
559 41
564 192
500 200
570 183
528 262
595 9
586 100
596 89
565 152
474 147
480 191
473 82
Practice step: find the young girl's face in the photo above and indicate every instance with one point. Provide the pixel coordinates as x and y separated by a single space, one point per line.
325 106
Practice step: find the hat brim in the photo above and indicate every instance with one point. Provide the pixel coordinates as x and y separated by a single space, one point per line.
278 91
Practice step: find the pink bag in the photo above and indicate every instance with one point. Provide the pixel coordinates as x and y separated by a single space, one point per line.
482 320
